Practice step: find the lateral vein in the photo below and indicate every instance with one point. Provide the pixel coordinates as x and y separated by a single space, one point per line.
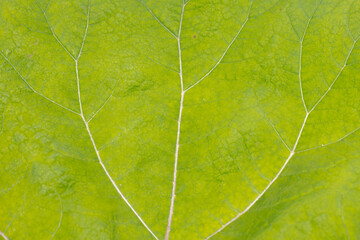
337 76
226 50
61 215
32 89
86 123
106 101
53 33
157 19
300 55
330 143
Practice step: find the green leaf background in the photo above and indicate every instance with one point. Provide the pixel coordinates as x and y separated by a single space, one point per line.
143 119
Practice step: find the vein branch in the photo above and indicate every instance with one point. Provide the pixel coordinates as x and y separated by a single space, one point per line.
343 218
61 215
158 20
53 33
4 236
187 2
86 31
31 88
106 101
226 50
282 140
330 143
171 211
3 121
300 55
86 123
337 76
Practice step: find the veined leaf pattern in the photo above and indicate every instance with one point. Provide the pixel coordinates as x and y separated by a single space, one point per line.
179 119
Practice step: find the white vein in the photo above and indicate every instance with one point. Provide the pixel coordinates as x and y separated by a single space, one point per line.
171 211
157 19
32 89
337 76
343 218
293 151
301 91
111 179
280 136
86 31
3 121
86 123
16 183
330 143
4 236
106 101
187 2
226 50
300 55
268 186
61 216
53 33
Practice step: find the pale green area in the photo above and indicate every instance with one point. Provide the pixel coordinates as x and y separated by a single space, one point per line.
266 64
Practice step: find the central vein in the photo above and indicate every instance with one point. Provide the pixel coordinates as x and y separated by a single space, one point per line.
178 128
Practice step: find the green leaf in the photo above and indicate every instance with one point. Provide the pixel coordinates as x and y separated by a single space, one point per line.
167 119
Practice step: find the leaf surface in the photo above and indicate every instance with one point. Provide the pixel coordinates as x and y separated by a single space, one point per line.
179 120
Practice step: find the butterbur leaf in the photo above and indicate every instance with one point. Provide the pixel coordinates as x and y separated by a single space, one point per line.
176 119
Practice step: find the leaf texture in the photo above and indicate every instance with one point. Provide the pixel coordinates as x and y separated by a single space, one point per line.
177 119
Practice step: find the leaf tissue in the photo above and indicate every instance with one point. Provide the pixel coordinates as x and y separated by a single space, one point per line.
179 119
